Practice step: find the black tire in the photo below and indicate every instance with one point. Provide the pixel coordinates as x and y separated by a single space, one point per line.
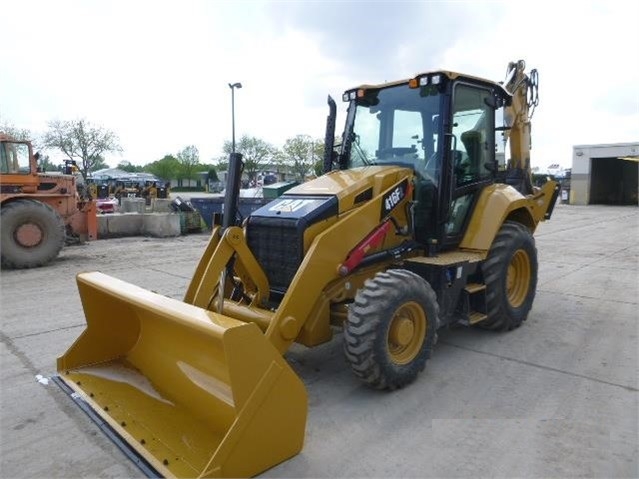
32 234
510 274
391 328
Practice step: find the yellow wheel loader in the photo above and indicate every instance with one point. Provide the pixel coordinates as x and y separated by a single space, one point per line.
418 223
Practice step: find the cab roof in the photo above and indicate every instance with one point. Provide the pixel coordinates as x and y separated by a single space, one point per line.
449 74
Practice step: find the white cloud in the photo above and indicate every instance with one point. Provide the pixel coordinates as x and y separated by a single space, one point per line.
157 73
583 55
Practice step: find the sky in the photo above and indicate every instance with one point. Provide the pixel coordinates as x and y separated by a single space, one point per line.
157 72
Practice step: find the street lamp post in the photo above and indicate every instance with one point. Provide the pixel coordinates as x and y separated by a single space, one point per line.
232 196
233 86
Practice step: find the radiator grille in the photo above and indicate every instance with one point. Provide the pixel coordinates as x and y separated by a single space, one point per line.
277 246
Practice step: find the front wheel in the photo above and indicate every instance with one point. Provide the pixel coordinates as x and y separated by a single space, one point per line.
32 234
391 329
510 274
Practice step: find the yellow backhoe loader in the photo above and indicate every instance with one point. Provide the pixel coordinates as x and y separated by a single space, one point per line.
418 223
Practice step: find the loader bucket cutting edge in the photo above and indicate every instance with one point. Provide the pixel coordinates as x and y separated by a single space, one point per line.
194 393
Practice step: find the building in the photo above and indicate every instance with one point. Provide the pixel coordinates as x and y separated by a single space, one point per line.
115 174
605 174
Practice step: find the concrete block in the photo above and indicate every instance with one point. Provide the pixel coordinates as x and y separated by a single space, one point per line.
133 205
161 205
161 225
103 226
128 224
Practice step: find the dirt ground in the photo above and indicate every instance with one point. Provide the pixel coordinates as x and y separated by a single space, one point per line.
557 397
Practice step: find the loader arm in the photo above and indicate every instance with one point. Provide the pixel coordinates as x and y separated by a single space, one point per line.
231 244
319 268
202 265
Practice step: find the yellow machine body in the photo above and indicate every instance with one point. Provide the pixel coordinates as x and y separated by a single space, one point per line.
202 394
200 387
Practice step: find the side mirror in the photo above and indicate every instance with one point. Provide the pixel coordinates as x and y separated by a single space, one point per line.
491 102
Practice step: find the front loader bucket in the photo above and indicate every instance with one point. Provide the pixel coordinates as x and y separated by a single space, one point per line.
192 392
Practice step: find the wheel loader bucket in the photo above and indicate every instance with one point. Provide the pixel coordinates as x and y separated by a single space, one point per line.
192 392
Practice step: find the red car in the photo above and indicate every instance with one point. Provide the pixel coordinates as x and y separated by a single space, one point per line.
107 205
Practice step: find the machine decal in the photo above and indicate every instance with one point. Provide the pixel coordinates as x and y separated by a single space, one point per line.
394 197
290 205
306 208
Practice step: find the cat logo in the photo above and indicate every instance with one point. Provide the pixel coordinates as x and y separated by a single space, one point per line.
290 205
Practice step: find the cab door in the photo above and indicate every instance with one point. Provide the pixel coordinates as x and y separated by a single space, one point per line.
472 155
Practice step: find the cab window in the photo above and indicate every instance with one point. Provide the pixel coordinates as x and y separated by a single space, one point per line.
14 158
501 140
473 127
473 158
408 130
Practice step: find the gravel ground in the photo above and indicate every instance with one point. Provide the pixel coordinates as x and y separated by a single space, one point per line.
557 397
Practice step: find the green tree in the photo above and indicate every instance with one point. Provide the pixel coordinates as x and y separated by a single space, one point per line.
45 164
256 153
98 163
301 153
188 158
126 165
221 163
213 174
280 163
167 168
80 140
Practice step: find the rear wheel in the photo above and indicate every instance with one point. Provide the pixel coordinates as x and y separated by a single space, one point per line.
510 273
391 328
32 234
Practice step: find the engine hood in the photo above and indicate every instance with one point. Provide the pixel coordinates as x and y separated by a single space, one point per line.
280 233
352 187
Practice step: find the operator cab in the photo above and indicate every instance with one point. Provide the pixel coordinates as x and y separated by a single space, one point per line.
442 126
15 157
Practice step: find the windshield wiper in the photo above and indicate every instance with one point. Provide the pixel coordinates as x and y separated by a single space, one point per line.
360 151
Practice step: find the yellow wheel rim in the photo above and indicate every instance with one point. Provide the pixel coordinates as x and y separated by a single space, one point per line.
406 333
518 278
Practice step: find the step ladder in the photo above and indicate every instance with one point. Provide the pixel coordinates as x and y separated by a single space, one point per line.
476 294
